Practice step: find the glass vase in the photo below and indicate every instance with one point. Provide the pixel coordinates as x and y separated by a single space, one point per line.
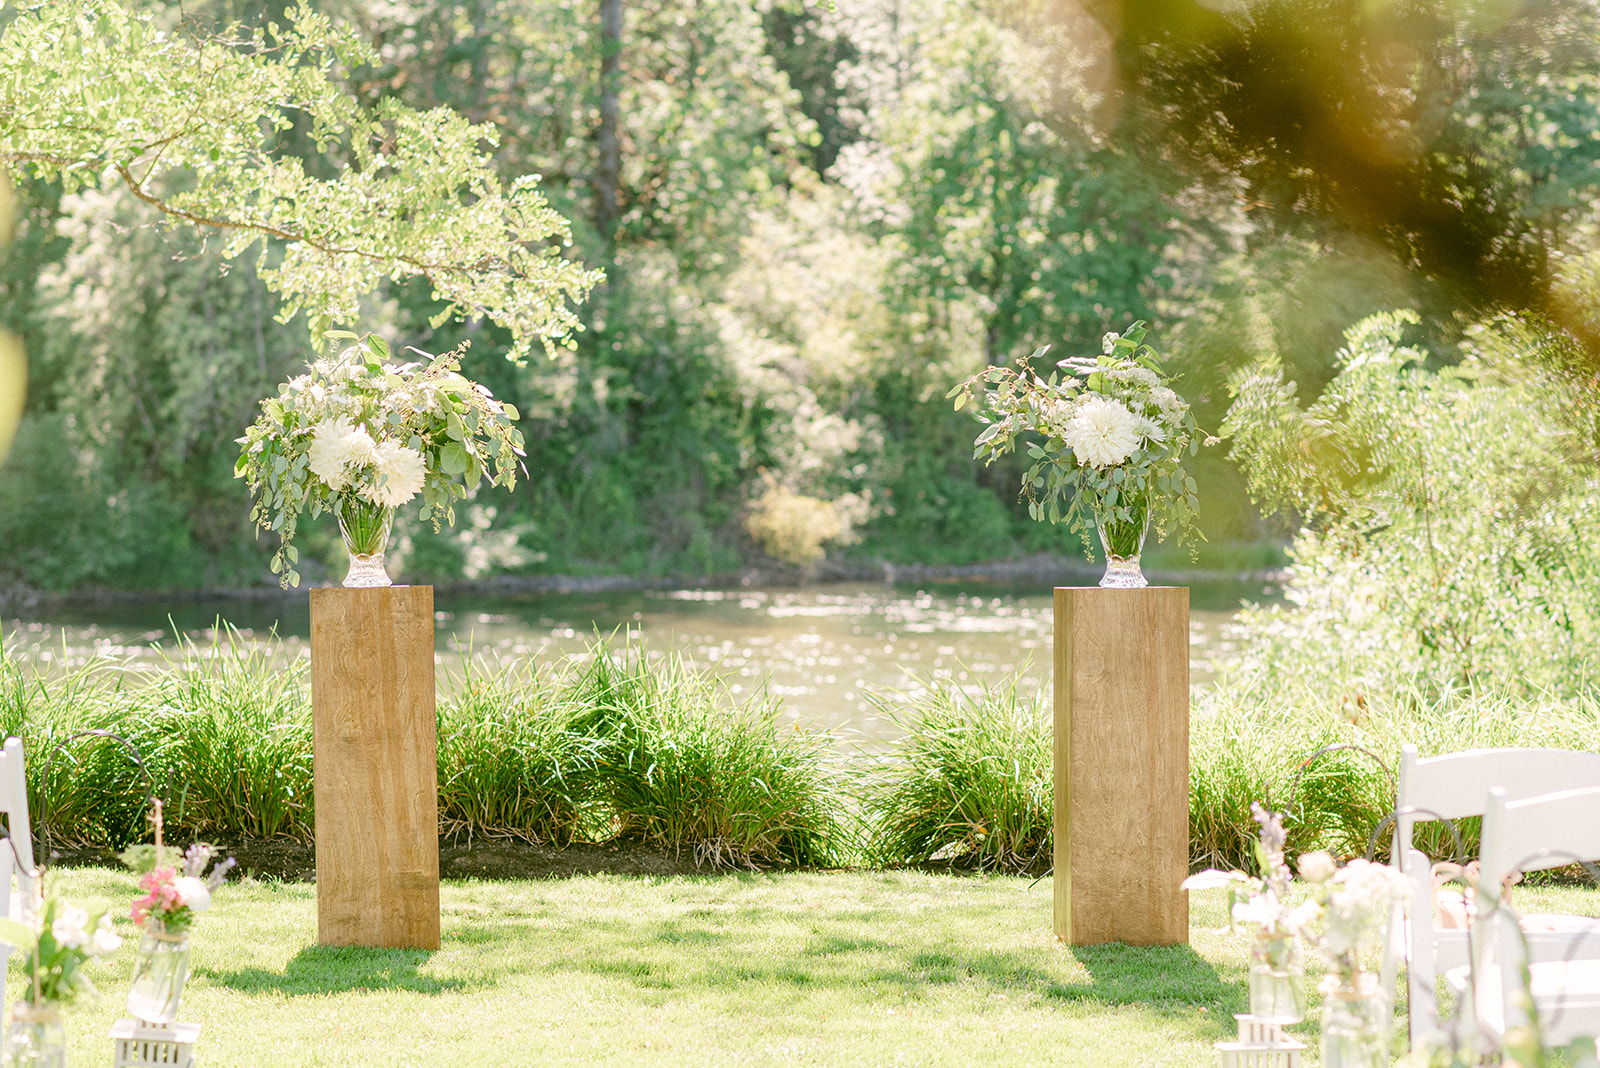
1122 541
36 1037
158 975
365 528
1277 980
1355 1027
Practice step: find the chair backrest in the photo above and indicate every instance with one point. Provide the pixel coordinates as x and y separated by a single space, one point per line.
1552 830
1530 834
18 858
1454 786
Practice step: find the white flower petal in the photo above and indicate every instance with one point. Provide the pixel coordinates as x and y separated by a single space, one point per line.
1102 432
194 893
400 473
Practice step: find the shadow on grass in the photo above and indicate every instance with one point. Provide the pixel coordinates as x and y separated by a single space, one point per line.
1173 982
1153 976
341 969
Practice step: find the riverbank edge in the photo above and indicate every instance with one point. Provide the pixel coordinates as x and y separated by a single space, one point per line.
1042 570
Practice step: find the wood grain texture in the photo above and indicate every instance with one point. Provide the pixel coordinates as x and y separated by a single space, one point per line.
376 767
1121 765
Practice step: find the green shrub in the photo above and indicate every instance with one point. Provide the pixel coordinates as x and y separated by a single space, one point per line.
972 782
511 762
1453 525
680 769
82 788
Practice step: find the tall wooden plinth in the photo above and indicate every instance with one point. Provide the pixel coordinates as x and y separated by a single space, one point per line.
376 767
1121 765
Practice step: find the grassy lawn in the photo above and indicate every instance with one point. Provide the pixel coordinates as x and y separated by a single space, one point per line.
829 969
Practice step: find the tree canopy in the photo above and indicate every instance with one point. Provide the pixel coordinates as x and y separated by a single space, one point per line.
196 124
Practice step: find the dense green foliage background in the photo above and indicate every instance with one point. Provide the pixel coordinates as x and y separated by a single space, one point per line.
825 216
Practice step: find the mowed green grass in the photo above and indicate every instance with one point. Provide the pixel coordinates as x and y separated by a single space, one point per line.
856 968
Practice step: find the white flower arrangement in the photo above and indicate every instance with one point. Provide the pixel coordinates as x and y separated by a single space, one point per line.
365 436
1114 437
1353 904
57 939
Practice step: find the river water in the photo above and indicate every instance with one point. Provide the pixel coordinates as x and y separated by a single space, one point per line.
822 651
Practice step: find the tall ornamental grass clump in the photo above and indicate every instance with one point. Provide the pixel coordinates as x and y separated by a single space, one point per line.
226 731
1246 748
972 782
511 761
679 767
224 734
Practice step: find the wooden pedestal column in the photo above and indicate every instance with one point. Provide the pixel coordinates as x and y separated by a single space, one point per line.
1121 765
376 767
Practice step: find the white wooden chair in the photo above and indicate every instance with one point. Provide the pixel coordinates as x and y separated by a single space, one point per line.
1561 969
16 859
16 856
1454 786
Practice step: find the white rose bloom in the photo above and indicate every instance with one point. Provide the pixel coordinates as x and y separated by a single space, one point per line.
400 473
71 928
193 892
1102 433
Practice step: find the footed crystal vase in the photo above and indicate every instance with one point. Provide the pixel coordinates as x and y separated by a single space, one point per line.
365 527
158 975
35 1037
1123 541
1277 979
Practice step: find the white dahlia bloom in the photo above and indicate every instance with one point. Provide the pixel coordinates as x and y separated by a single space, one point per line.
337 448
1102 433
400 472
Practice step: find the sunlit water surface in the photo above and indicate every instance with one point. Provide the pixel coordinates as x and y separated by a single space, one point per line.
823 652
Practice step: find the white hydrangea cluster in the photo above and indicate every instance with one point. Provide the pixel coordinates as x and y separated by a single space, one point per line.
1356 901
71 929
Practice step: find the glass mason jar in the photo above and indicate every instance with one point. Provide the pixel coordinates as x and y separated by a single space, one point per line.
365 528
1355 1027
158 975
1277 979
1122 542
36 1037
